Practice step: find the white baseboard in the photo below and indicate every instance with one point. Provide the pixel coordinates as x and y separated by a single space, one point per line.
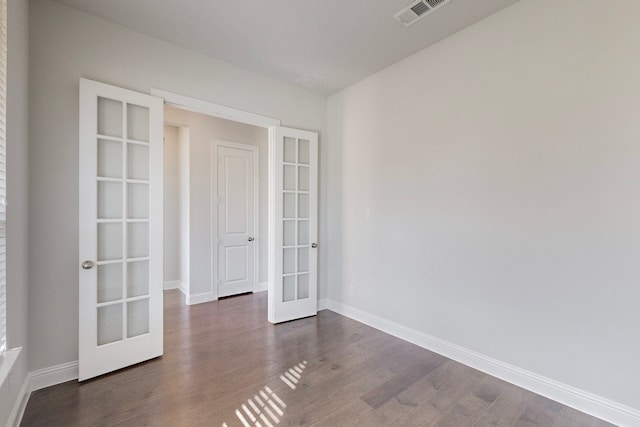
581 400
15 418
201 298
36 380
184 288
171 284
261 287
53 375
323 304
12 365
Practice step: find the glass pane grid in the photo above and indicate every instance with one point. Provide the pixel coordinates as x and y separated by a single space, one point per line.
123 221
136 142
296 242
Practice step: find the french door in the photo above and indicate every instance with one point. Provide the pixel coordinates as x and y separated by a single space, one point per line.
293 201
120 228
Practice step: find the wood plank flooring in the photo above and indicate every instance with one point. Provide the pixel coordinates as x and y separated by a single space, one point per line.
224 364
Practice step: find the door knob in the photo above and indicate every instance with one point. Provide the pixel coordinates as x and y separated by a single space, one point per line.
314 245
87 265
251 239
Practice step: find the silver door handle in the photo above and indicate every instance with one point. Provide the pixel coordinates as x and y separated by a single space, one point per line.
251 239
314 245
87 265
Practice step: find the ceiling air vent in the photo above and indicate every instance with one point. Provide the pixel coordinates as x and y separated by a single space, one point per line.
311 80
434 3
420 8
417 10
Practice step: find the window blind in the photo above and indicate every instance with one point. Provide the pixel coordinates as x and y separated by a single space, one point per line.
3 175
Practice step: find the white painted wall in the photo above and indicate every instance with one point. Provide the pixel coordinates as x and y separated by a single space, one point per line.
66 45
17 198
501 170
202 130
184 197
171 205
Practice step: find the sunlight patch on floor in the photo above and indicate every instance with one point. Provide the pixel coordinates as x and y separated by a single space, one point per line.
292 376
266 408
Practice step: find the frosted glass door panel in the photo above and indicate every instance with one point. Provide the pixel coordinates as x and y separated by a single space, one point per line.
303 286
289 205
109 159
303 178
289 288
303 233
109 200
138 240
109 282
303 151
289 261
289 177
109 324
303 206
289 150
109 241
303 260
289 228
109 117
137 318
137 279
137 123
138 201
138 161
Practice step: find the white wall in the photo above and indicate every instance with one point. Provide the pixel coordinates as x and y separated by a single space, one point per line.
184 203
202 130
17 197
66 45
171 205
501 171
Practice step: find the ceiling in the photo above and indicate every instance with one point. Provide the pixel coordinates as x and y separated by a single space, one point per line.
342 41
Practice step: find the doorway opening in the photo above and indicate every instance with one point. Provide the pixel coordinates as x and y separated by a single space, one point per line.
292 222
215 206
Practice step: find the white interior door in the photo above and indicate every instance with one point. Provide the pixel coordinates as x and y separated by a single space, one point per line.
236 220
120 228
293 234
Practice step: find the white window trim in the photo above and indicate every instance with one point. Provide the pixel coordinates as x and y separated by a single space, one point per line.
3 173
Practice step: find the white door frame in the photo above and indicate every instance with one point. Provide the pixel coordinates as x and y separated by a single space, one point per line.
195 105
215 143
212 109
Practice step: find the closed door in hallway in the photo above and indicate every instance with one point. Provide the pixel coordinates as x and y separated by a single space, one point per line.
236 217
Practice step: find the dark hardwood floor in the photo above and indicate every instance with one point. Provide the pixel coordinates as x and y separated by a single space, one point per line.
224 364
